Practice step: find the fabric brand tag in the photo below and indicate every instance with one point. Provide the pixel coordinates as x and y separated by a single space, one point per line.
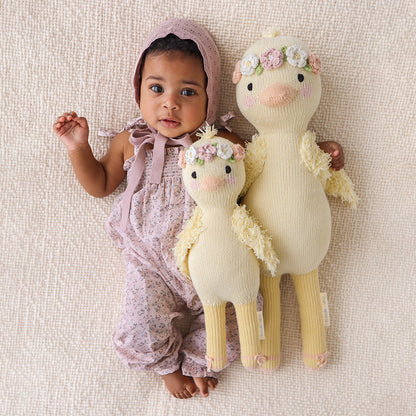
261 324
325 309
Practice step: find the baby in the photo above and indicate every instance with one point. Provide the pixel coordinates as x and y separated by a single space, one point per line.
177 89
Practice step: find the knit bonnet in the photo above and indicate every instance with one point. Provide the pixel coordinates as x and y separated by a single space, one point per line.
188 29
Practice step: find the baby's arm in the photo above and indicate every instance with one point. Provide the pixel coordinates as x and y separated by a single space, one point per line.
334 150
232 137
99 178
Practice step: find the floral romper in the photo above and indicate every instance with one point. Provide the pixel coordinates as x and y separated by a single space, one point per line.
156 294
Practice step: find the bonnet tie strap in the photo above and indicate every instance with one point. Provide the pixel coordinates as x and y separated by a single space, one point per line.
141 138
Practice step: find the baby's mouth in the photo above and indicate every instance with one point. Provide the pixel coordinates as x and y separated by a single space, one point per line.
170 123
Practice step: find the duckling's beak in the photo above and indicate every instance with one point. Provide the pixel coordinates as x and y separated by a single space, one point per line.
211 183
277 95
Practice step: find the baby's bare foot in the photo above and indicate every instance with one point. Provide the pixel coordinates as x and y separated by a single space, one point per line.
180 386
204 384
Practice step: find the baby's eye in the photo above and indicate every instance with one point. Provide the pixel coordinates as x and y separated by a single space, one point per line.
193 174
250 87
156 88
228 169
300 77
188 92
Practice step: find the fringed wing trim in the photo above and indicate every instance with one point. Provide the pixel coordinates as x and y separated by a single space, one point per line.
336 183
251 234
186 239
256 153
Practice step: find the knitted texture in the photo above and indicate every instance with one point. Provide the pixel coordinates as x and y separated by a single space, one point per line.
223 242
216 336
62 278
278 90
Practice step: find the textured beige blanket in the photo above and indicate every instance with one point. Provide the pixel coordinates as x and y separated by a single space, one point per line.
62 279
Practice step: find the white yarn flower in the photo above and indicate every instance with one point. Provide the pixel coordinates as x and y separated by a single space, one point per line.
191 155
224 151
296 56
249 64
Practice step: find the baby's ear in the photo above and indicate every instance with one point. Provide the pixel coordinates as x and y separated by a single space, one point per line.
237 73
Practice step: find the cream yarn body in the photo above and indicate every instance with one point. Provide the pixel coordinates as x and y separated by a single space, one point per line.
220 246
223 269
278 91
292 206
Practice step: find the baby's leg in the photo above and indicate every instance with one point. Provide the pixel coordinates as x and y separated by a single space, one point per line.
146 337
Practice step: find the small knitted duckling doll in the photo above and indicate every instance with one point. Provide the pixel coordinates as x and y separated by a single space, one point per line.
220 245
278 91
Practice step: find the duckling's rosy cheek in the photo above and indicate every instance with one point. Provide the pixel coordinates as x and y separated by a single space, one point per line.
194 185
231 180
249 101
305 91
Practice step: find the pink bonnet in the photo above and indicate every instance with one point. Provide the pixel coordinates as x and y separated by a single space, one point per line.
188 29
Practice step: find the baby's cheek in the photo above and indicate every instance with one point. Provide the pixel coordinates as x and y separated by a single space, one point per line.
249 101
305 91
231 180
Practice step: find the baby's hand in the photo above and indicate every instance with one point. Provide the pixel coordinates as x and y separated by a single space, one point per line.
334 149
72 130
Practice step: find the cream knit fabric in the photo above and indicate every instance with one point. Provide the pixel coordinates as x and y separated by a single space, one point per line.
62 279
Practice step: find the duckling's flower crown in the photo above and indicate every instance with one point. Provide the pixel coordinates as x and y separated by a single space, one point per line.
274 58
206 153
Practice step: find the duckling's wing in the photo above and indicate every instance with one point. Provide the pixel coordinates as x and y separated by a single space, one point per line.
335 182
186 239
314 158
256 153
339 184
251 234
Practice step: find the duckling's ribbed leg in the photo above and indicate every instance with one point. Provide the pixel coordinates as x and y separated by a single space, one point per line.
248 329
216 336
270 346
310 309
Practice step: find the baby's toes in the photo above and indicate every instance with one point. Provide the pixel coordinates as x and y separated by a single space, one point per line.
212 383
190 390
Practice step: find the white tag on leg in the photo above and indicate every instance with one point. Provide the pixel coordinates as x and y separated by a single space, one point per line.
325 309
261 324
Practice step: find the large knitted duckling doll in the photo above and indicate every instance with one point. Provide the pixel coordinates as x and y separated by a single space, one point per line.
278 91
220 246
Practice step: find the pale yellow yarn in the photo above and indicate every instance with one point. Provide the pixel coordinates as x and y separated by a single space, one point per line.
220 246
251 234
336 183
256 153
287 178
186 239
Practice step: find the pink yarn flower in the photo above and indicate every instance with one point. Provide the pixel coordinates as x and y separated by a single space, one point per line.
272 58
237 73
207 152
238 152
182 159
315 63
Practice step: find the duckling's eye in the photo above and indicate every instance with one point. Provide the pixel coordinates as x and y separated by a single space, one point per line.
300 77
193 174
228 169
250 87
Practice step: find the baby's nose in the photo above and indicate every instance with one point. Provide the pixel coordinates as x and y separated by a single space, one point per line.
211 183
171 103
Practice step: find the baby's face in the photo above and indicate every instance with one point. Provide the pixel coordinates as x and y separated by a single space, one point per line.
173 98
